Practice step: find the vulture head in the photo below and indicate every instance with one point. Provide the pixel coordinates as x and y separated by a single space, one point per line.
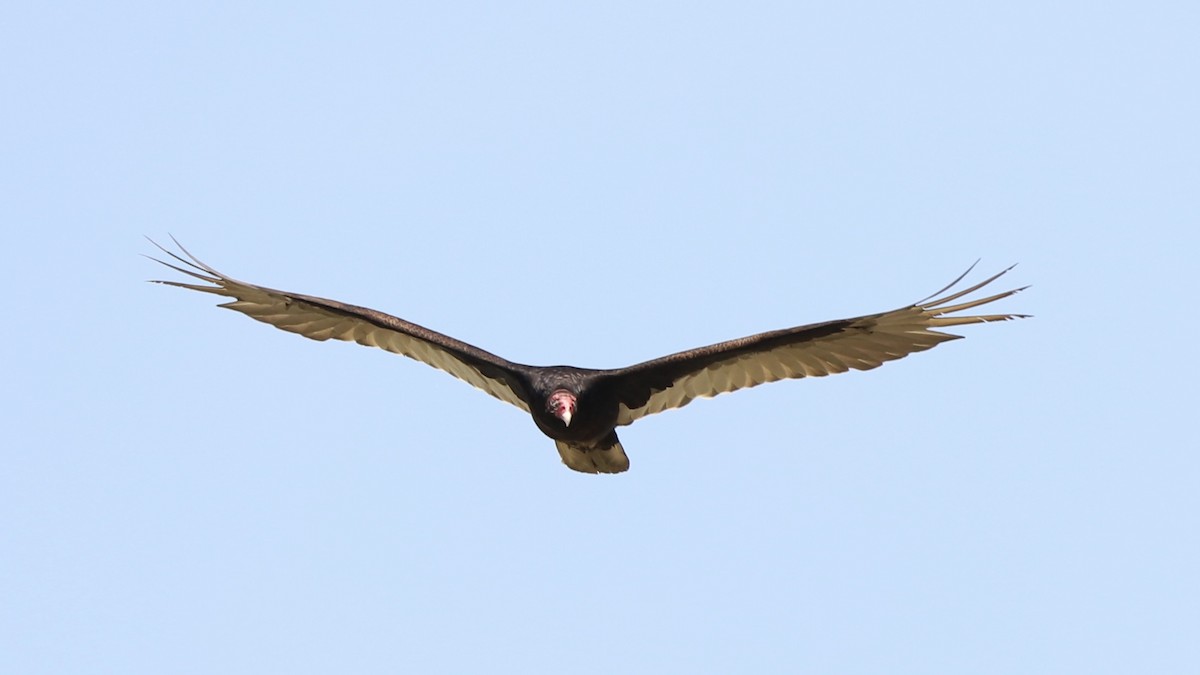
561 404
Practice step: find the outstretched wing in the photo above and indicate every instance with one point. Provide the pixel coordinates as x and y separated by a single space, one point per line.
815 350
321 319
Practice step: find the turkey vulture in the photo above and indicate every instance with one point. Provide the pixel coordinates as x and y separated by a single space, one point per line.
580 408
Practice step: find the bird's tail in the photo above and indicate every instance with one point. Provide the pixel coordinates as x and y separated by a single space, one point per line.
606 457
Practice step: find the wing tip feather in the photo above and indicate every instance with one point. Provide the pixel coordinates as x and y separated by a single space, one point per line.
198 269
935 306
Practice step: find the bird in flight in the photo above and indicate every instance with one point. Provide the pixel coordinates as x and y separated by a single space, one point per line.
580 408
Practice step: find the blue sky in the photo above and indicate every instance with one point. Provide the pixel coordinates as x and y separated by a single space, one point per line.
184 490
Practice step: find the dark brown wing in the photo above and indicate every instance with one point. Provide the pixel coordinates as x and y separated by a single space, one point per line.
815 350
322 319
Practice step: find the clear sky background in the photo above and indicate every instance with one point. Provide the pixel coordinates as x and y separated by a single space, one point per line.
183 490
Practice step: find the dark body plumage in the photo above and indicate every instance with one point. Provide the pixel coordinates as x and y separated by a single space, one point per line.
580 408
